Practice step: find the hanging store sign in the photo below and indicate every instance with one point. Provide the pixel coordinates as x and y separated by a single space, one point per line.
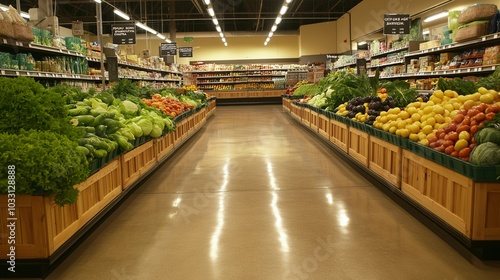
397 24
123 34
77 28
168 49
186 52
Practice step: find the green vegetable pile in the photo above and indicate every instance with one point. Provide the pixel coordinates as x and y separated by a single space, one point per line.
51 135
458 85
307 89
37 137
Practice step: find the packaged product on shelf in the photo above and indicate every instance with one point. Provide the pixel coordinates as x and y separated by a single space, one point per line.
477 12
491 55
59 42
472 30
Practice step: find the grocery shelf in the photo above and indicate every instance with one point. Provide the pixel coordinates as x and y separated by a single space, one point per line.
50 75
482 41
139 67
386 64
382 54
445 73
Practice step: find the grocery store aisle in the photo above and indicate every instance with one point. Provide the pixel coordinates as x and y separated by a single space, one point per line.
255 196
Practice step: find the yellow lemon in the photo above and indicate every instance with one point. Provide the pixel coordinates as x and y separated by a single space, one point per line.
413 137
427 129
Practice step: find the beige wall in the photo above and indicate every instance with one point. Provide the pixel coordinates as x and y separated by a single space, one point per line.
319 38
244 47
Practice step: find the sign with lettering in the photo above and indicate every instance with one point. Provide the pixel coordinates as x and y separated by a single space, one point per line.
123 34
168 49
397 24
186 52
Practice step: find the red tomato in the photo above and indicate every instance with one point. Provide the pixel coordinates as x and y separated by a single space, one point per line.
490 116
440 148
465 152
472 112
463 127
450 149
466 120
479 117
458 118
454 153
474 129
452 135
493 108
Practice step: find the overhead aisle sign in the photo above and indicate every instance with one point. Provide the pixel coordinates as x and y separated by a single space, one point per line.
123 34
396 24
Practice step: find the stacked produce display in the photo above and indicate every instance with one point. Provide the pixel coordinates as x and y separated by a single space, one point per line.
58 136
462 123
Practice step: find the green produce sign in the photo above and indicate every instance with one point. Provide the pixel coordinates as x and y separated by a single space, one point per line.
188 39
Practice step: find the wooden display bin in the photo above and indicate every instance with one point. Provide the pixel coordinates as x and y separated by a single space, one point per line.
190 124
180 132
286 104
359 147
164 145
137 162
339 134
324 126
306 116
42 226
486 211
444 192
314 121
296 111
385 160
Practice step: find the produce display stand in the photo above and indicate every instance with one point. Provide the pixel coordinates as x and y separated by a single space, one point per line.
460 202
46 233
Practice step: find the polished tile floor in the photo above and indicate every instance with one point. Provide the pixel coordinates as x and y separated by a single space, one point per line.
255 196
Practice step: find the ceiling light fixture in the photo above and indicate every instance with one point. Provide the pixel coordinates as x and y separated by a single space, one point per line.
426 32
207 2
283 10
168 41
221 35
362 43
218 29
160 36
278 19
215 21
211 11
98 1
147 28
436 16
288 1
121 14
274 28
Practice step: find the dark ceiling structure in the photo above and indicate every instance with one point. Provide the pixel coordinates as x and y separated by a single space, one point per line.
235 16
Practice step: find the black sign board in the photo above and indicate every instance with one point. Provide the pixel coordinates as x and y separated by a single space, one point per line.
186 52
123 34
168 49
331 56
397 24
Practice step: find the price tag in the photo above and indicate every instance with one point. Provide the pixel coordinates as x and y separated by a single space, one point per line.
28 74
3 72
17 73
4 41
64 76
475 69
468 69
19 44
493 68
483 39
78 76
495 36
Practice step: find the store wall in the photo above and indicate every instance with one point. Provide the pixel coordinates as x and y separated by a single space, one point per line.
343 34
239 48
319 38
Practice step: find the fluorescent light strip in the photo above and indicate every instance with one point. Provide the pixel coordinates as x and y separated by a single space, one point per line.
279 19
211 11
362 43
436 16
215 21
98 1
207 2
218 29
121 14
160 36
147 28
24 15
283 10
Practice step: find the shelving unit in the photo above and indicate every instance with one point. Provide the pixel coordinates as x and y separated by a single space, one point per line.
164 77
242 84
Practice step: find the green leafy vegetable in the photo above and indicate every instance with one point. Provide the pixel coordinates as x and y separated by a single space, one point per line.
46 163
458 85
492 81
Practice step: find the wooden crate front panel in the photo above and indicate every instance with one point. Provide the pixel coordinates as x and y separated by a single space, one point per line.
179 132
359 144
385 160
306 116
314 124
324 126
190 124
486 219
442 191
164 145
31 227
94 194
339 134
286 104
296 112
137 162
